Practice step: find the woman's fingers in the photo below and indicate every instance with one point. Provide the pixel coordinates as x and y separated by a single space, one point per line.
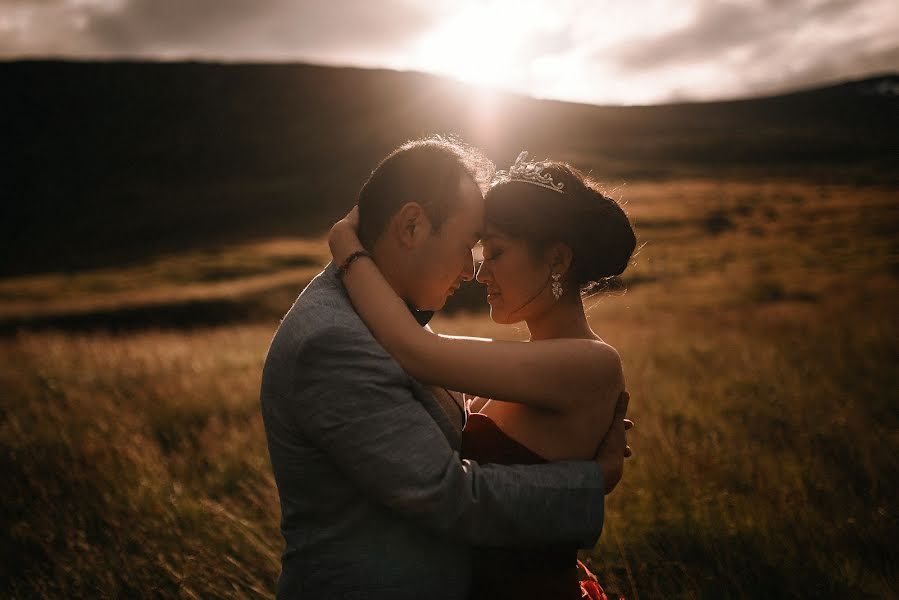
352 217
611 451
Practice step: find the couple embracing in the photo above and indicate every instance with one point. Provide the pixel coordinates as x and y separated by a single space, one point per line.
414 465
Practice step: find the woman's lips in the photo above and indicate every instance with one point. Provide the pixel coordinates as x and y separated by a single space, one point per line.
492 296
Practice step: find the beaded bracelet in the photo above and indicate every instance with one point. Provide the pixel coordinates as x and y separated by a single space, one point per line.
342 269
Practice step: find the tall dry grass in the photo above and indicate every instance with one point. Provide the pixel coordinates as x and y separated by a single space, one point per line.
136 466
765 460
759 341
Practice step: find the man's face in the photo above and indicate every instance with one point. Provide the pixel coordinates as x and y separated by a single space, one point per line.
443 260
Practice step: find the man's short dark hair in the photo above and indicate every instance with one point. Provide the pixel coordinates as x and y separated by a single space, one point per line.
426 171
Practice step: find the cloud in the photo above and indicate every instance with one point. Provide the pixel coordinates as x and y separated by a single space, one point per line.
585 50
738 48
229 29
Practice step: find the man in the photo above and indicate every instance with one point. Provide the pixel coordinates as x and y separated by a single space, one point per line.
375 500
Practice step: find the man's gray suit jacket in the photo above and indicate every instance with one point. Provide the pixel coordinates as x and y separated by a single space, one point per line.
375 499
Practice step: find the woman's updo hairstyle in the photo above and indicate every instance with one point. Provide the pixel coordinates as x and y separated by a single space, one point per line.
593 225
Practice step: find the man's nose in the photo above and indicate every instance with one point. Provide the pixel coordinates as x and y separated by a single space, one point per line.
468 271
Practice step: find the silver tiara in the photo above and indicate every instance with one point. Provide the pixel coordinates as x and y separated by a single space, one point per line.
528 172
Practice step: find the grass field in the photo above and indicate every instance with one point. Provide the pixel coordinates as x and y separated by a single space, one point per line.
759 337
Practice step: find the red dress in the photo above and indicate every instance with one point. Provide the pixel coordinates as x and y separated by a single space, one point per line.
544 573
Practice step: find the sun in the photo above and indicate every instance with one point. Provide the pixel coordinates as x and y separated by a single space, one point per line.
490 45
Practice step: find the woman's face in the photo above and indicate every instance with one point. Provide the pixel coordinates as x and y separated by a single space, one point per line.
518 283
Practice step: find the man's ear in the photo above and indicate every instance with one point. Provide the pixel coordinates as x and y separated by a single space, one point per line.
410 225
559 256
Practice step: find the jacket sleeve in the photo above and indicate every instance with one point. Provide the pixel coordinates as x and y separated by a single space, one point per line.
352 400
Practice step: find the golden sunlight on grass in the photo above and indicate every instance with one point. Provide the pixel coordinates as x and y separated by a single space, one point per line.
260 274
137 465
755 334
758 334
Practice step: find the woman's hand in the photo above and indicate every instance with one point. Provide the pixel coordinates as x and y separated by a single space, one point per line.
343 239
351 219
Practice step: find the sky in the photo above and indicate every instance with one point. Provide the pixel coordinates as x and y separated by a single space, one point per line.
594 51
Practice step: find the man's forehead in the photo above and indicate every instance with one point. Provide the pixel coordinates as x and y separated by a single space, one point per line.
470 195
466 215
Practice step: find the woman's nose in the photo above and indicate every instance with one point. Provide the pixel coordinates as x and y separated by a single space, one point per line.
483 273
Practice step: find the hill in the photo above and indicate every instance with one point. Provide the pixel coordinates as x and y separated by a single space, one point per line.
107 163
164 216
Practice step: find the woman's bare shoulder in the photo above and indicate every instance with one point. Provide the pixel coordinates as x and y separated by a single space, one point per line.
599 363
592 350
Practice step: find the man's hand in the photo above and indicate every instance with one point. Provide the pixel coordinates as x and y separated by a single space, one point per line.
613 449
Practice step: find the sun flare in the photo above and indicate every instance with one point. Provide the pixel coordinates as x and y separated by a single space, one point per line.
561 50
494 46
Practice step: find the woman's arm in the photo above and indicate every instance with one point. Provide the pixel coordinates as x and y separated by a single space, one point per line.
554 374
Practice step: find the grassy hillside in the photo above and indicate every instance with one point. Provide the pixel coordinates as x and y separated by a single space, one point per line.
158 219
758 335
108 163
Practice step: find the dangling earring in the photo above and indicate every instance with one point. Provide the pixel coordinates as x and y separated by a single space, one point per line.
557 287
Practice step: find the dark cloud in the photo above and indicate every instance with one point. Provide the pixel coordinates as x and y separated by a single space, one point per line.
722 26
226 28
233 28
752 48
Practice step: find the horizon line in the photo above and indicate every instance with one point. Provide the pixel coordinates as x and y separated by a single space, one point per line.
785 91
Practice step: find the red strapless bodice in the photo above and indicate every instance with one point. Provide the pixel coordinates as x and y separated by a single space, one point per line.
483 441
543 573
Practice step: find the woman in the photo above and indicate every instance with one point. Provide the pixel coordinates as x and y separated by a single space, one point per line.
549 235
